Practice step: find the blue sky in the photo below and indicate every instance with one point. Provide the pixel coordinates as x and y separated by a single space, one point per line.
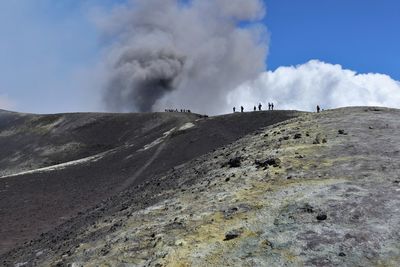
48 47
361 35
42 48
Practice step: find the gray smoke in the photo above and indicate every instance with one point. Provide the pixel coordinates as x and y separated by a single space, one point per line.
181 54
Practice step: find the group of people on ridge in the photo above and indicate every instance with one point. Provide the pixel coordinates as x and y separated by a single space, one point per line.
270 107
176 110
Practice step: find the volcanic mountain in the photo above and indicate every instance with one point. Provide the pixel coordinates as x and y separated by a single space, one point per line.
54 167
269 188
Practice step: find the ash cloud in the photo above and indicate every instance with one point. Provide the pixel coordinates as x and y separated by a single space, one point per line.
181 54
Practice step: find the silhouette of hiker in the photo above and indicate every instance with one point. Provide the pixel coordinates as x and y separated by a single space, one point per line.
255 108
272 106
234 109
318 109
241 108
259 107
269 106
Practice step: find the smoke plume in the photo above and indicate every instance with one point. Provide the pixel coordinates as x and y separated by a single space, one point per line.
181 54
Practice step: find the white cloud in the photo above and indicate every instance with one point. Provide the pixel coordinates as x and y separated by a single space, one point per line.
304 86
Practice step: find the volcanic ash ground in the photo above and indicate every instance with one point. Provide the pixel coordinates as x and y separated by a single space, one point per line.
318 190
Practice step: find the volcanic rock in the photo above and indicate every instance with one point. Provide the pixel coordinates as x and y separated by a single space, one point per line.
232 235
297 136
234 162
321 217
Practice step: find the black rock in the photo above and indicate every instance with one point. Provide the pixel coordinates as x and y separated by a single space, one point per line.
275 162
341 131
235 162
232 235
260 164
342 254
297 136
321 217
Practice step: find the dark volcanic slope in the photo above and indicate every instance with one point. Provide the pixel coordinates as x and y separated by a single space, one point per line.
54 166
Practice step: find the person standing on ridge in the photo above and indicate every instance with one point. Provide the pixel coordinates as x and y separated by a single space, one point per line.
318 109
269 106
241 108
234 109
255 108
272 106
259 107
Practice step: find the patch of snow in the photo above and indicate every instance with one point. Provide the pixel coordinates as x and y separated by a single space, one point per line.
168 132
21 264
158 140
154 143
59 166
186 126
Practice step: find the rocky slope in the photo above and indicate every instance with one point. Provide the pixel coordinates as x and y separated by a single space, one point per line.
55 170
318 190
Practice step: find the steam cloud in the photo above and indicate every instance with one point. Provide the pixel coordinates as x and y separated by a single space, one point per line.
304 86
182 54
